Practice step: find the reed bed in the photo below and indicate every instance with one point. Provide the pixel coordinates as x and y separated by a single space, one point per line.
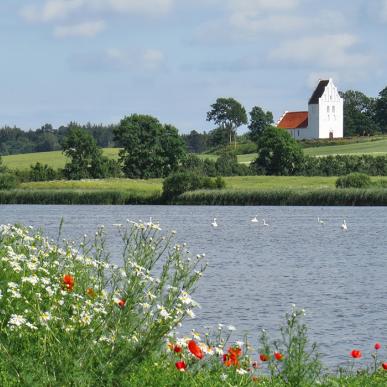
325 197
106 197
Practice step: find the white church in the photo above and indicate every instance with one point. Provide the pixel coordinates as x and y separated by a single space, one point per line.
324 118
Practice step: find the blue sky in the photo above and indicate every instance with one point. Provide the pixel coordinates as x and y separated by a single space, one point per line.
100 60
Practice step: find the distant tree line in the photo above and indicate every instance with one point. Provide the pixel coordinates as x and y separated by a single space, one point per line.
14 140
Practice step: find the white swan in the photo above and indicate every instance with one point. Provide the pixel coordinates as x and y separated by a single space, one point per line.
264 222
344 225
214 224
254 220
320 221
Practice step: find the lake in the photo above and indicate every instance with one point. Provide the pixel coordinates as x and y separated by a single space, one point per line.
255 272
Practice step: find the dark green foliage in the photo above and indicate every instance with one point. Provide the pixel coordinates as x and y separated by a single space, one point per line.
177 183
150 149
228 114
343 165
359 117
227 165
86 157
3 168
218 137
354 180
196 142
259 121
42 172
46 139
7 181
278 153
381 110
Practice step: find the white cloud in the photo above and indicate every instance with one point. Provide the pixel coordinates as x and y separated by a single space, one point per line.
86 29
329 51
53 10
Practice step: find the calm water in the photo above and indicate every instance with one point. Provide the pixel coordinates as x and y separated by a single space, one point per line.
256 272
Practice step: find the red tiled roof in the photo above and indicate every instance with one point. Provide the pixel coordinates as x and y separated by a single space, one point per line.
294 120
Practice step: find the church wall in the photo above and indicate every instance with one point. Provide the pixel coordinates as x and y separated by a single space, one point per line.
313 122
331 113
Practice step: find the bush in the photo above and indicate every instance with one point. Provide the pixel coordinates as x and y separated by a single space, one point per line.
69 317
341 165
7 181
354 180
180 182
42 172
278 153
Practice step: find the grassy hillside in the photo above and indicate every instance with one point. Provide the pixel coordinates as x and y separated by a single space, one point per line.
378 147
58 160
53 159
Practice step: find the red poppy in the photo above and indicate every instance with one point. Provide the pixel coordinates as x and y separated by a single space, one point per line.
231 358
177 348
181 366
68 281
263 357
356 354
255 365
278 356
121 303
195 349
377 346
384 365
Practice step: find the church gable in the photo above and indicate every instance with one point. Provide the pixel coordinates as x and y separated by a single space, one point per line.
318 93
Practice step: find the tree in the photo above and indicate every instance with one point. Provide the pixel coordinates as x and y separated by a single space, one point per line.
278 153
259 121
359 118
86 157
150 149
196 142
381 110
229 115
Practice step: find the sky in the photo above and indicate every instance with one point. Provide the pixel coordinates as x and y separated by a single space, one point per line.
101 60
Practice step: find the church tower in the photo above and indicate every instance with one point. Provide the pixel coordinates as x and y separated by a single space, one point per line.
326 112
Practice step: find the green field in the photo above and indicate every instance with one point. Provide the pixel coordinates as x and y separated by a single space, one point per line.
54 159
140 186
377 147
155 185
57 159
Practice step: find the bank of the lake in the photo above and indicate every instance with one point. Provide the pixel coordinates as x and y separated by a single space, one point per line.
240 190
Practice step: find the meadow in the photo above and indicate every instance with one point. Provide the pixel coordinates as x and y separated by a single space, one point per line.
56 159
154 186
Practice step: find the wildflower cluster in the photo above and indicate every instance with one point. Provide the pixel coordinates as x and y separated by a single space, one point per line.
62 301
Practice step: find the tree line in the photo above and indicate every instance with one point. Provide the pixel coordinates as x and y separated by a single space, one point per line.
363 115
14 140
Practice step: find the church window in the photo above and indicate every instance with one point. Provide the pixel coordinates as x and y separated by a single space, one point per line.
327 109
333 109
298 133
